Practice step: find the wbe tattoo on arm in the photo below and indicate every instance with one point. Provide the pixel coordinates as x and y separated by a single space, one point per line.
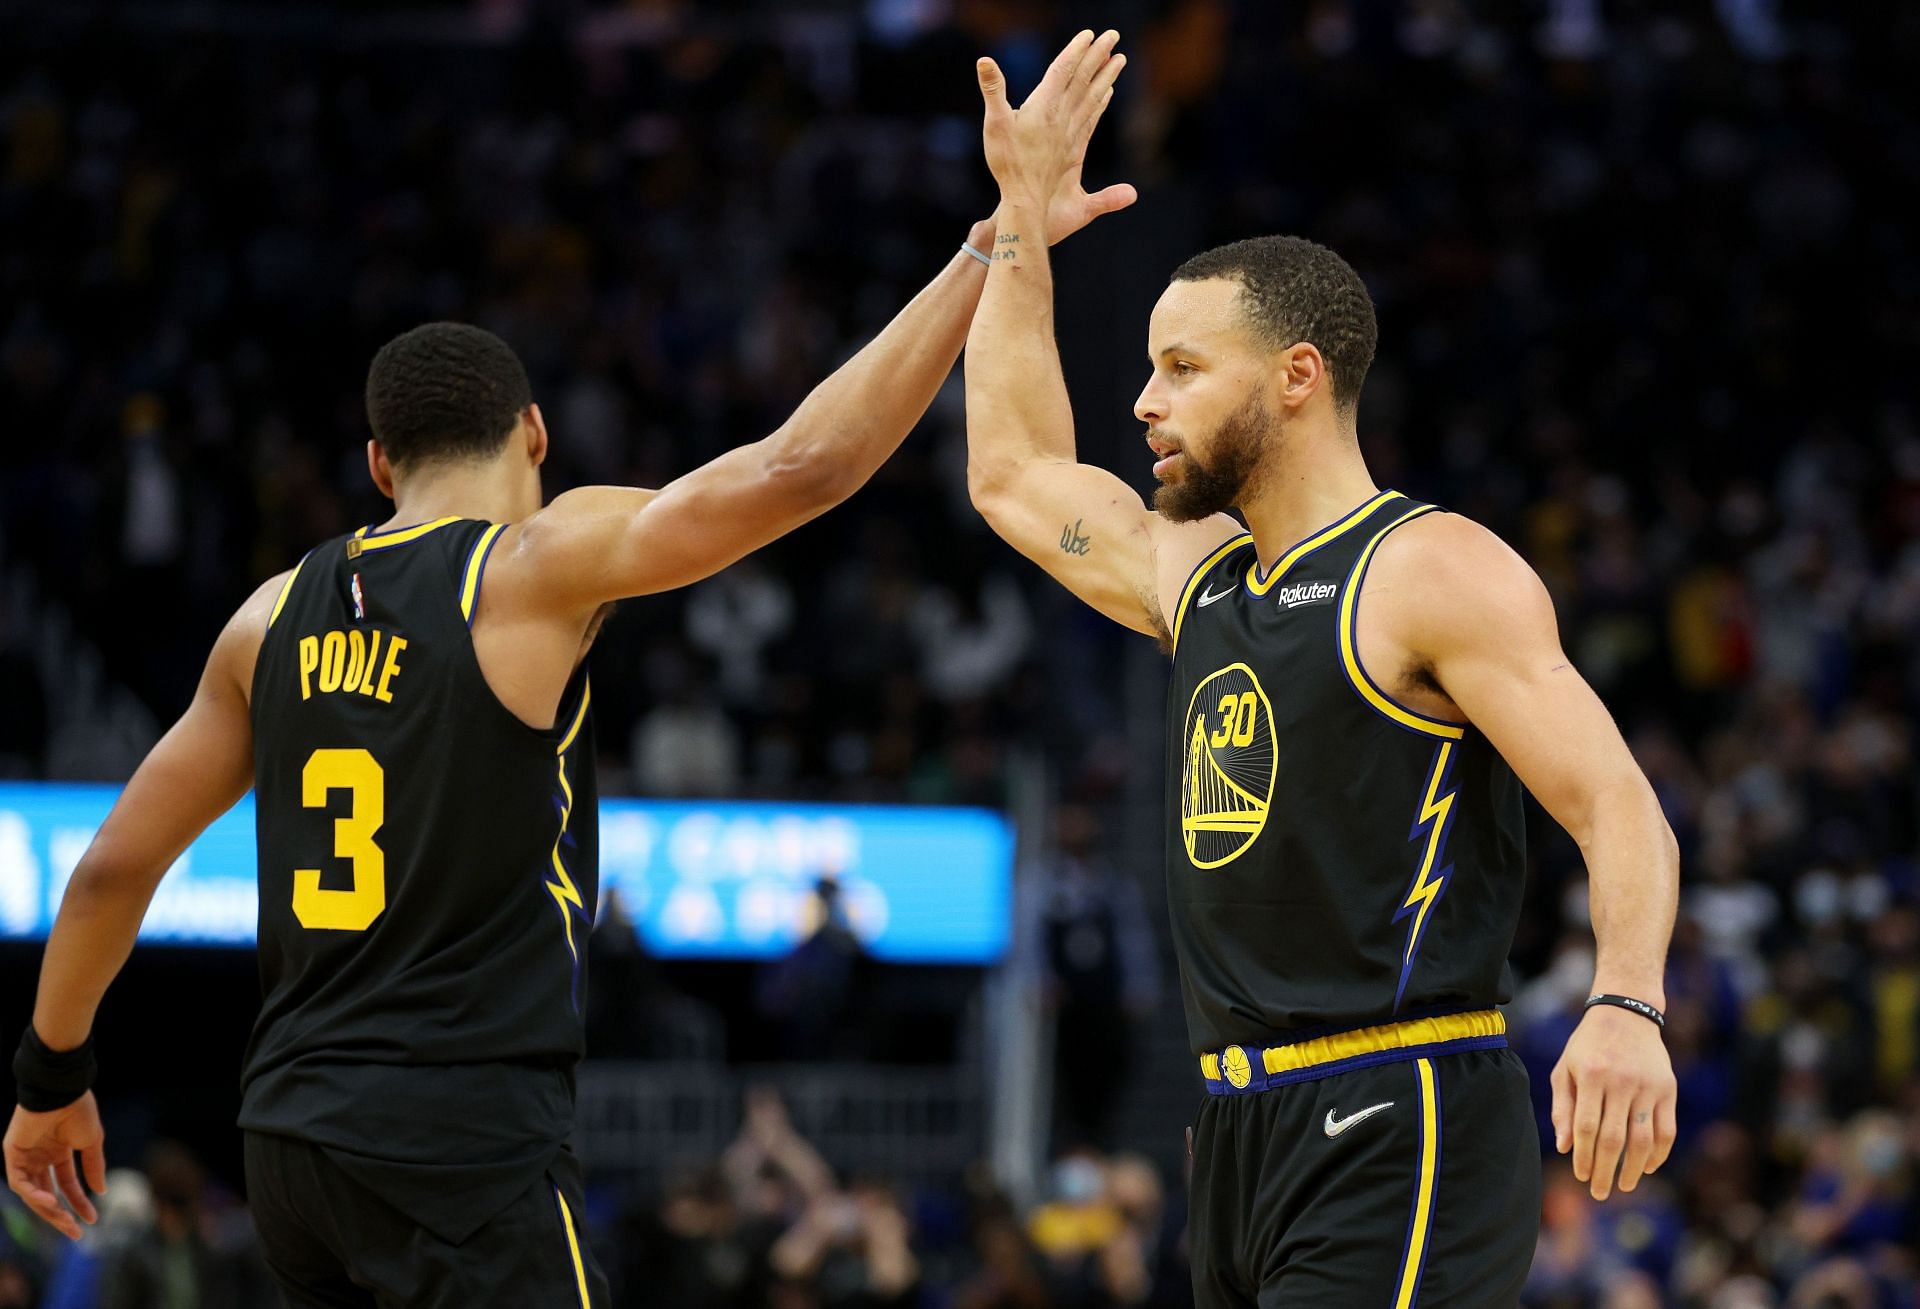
1006 239
1073 541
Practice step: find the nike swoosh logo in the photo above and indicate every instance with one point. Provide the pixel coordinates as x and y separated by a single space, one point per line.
1207 597
1335 1126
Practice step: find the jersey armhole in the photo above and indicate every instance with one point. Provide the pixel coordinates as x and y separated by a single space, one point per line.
266 635
1357 676
286 589
1200 571
570 715
475 569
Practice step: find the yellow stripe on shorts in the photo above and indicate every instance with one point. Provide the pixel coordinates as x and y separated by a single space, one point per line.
573 1248
1415 1257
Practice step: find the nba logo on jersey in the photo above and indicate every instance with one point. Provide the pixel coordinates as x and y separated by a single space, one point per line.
359 601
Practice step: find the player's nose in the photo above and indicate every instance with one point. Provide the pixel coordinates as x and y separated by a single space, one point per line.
1150 405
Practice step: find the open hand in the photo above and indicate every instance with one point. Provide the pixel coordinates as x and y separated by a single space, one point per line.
1036 152
40 1149
1613 1092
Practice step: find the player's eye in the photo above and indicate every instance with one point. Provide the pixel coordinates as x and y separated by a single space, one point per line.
1182 368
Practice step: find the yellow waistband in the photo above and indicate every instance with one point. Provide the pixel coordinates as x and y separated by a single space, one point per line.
1368 1040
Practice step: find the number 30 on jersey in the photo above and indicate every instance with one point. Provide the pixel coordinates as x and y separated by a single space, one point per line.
1232 759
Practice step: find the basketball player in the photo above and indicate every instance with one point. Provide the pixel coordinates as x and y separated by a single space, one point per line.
1361 685
411 706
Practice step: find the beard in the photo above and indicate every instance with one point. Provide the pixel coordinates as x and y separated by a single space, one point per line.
1219 484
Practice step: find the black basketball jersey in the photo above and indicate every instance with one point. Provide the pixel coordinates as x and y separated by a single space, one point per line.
1334 859
428 871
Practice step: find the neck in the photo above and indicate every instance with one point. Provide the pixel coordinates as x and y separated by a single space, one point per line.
1306 493
492 491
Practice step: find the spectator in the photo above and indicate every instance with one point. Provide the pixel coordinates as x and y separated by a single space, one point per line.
1102 976
848 1250
189 1258
817 999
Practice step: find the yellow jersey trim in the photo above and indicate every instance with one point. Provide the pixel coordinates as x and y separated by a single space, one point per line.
1286 561
1276 1059
573 1248
476 562
563 888
286 589
579 716
1362 684
1193 580
386 540
1415 1257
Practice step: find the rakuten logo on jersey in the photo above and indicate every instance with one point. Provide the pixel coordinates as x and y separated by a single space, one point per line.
1306 593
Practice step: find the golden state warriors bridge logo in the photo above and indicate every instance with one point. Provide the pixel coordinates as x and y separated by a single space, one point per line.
1227 783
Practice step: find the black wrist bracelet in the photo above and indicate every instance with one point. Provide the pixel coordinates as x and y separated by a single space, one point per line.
45 1079
1640 1007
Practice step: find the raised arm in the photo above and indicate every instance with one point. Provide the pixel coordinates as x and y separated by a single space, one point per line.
196 773
1485 627
604 543
1082 524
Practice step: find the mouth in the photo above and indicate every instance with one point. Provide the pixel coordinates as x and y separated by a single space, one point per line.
1167 451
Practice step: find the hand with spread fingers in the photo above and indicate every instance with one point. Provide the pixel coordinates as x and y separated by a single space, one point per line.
1613 1100
40 1166
1037 151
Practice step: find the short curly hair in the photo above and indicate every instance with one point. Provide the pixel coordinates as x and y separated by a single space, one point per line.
445 391
1297 290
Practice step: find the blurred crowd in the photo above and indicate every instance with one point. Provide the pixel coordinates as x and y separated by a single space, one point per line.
1647 278
770 1224
168 1238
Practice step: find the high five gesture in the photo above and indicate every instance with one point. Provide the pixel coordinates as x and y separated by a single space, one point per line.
1036 152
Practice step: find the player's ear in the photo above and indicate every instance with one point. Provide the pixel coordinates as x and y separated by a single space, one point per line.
381 469
1301 373
536 436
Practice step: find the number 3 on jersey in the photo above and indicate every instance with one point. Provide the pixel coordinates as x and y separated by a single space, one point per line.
358 773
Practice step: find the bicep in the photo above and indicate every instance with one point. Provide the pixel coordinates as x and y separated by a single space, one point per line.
603 543
1501 662
1092 534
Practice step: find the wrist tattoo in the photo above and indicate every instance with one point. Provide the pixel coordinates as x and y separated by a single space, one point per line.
1008 238
1004 240
1073 541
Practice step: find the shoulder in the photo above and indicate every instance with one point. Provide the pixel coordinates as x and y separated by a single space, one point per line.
581 508
258 610
237 648
1183 553
577 530
1450 580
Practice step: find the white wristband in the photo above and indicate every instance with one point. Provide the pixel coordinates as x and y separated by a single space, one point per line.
968 247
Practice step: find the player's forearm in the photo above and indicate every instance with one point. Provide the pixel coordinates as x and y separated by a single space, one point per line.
1017 408
1633 887
200 768
91 939
854 420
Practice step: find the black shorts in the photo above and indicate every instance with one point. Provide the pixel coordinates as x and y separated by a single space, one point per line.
1415 1182
331 1241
